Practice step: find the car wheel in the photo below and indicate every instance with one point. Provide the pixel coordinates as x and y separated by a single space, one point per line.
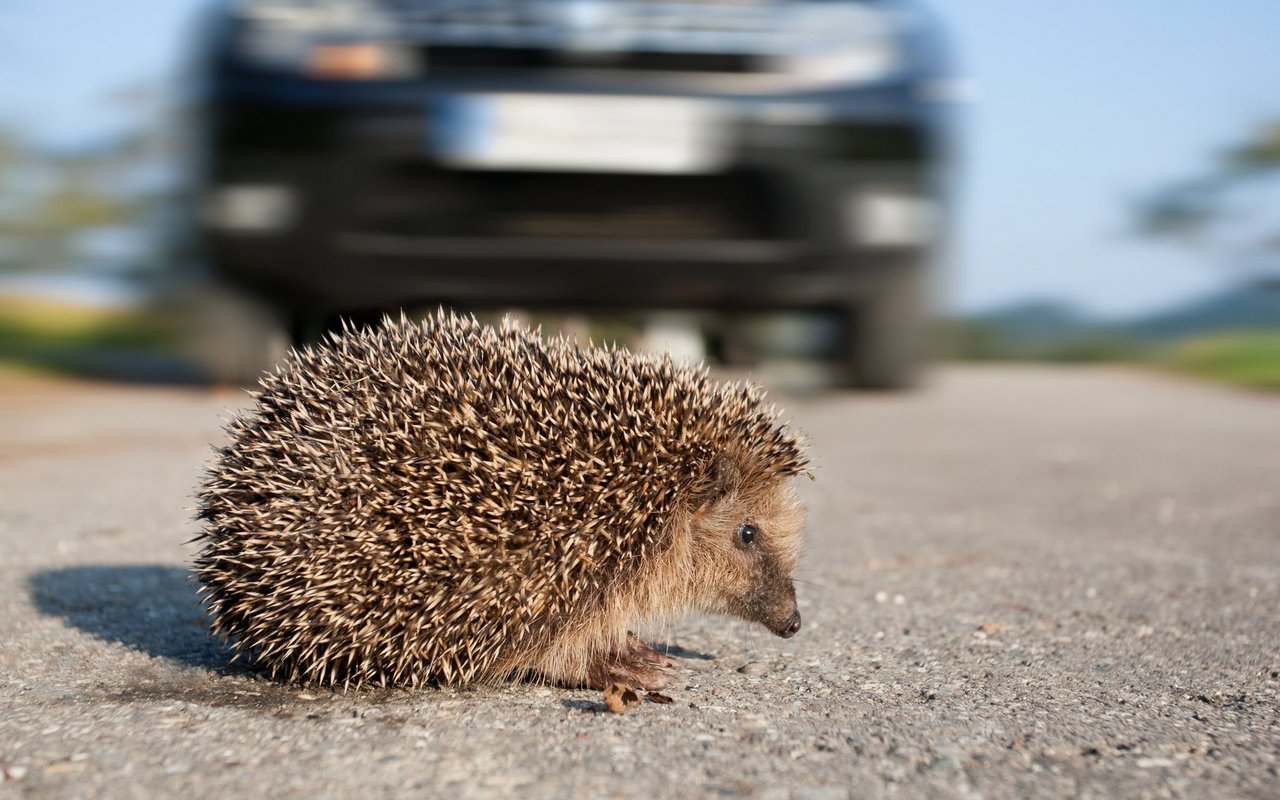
235 337
886 334
737 341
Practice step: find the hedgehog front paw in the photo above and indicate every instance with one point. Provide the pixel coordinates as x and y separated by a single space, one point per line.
634 674
641 667
639 650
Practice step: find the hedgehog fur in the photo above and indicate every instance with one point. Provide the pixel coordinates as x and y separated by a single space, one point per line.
448 502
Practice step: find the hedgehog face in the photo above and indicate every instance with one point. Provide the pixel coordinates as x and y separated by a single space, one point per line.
747 543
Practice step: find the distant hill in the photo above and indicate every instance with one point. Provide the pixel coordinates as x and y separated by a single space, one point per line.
1037 322
1252 307
1051 329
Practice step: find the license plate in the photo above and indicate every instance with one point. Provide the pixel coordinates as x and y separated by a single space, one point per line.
583 133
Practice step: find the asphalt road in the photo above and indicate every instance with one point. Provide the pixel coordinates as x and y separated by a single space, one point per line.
1023 582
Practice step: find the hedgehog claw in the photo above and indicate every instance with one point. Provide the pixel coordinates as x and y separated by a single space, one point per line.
632 669
638 649
636 676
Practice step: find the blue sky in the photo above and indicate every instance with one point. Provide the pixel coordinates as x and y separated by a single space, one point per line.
1079 107
1082 105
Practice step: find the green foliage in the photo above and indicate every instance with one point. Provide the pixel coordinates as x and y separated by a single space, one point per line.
1249 359
1194 210
971 340
50 199
50 337
1096 348
27 323
1259 152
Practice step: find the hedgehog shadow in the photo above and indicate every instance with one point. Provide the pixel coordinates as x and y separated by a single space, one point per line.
150 608
153 609
676 651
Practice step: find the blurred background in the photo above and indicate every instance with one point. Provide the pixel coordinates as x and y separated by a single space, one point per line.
188 188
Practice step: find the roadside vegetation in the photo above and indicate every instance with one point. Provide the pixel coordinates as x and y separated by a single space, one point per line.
1246 358
50 336
46 336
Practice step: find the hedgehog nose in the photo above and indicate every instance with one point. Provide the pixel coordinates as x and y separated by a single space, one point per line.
791 627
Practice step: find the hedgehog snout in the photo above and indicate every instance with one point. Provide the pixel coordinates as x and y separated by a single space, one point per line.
790 627
773 604
786 625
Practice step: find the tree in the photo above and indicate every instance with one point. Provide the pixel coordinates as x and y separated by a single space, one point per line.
50 198
1233 209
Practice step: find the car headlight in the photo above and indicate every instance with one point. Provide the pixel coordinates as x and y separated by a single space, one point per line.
331 39
842 43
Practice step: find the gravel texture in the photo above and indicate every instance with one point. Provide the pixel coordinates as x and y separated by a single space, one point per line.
1022 582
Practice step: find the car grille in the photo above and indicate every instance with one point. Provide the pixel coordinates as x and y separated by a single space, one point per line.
651 35
450 18
417 200
461 58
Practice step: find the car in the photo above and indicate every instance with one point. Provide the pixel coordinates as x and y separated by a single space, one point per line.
723 156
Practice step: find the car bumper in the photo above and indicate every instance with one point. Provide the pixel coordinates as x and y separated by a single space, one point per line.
377 220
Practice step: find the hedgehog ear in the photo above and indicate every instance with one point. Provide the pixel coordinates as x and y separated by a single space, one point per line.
723 479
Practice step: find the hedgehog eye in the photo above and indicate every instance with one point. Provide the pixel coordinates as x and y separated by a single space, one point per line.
747 533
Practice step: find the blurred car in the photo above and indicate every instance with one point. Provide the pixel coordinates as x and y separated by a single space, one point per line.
723 155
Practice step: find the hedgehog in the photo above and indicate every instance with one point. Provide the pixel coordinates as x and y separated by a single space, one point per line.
445 502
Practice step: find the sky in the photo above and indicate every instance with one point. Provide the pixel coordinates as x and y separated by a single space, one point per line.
1077 108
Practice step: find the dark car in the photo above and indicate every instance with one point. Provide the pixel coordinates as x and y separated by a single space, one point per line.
730 156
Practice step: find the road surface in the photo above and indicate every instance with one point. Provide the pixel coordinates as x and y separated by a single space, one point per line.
1023 582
